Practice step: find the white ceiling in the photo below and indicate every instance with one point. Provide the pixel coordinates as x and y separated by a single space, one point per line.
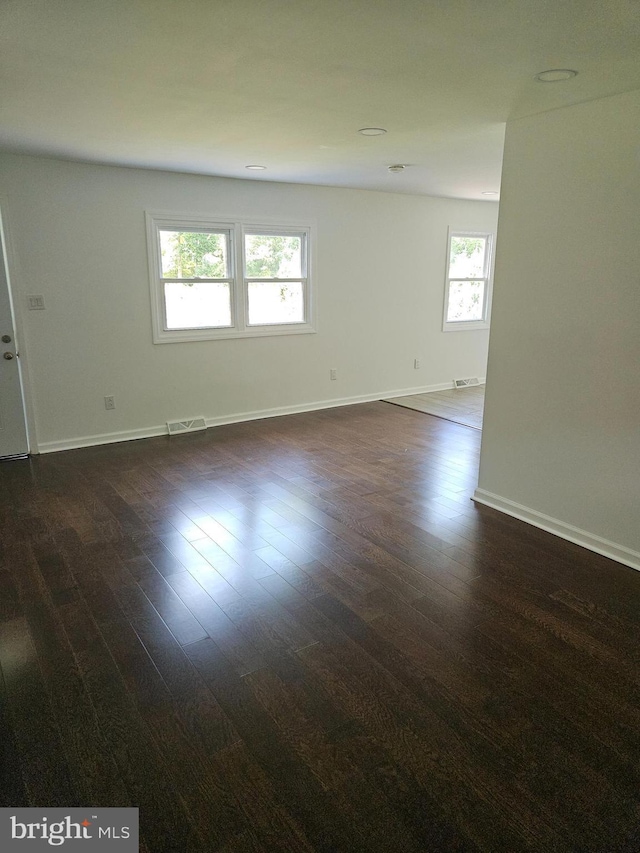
210 86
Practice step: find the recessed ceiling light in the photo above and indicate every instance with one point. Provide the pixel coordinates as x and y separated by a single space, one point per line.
489 192
256 168
398 167
555 75
372 131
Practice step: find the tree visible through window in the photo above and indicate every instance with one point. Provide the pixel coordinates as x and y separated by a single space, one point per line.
227 280
197 279
467 285
193 253
275 272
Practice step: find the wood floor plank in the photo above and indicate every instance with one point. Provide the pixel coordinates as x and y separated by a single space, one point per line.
304 797
164 820
463 406
45 771
13 793
300 634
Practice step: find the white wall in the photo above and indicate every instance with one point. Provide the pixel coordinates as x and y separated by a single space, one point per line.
562 416
77 236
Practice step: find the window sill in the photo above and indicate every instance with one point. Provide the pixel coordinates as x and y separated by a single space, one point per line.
476 325
181 336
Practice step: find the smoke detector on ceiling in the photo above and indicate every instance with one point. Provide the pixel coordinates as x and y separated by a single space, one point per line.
399 167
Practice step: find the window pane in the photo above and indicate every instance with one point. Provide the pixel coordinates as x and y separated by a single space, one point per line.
273 256
467 257
466 300
194 254
197 305
276 302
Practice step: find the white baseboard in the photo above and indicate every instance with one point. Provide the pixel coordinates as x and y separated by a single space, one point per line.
103 438
560 528
239 417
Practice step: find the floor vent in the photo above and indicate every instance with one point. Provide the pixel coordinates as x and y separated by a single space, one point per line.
465 383
192 425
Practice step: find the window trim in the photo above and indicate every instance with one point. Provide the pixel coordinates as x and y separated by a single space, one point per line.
470 325
239 295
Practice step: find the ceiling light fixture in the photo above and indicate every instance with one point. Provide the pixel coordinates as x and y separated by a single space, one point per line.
555 75
256 168
399 167
372 131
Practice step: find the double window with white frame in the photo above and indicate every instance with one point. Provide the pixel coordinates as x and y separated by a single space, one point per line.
216 279
467 297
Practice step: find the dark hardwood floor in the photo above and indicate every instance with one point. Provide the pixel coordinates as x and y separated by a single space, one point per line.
299 634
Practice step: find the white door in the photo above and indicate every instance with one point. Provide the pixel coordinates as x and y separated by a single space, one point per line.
13 428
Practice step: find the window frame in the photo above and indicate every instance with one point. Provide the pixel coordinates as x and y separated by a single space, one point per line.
238 228
487 278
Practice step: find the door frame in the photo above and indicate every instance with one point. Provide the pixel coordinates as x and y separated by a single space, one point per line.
17 306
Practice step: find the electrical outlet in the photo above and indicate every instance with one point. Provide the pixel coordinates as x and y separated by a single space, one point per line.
416 363
110 402
35 303
333 373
